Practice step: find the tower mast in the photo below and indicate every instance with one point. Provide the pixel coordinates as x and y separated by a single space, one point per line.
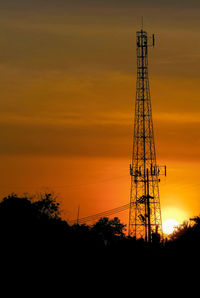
145 212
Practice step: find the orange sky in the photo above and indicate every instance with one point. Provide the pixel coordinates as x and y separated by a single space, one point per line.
67 81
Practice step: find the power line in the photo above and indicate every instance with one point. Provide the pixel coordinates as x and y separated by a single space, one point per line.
102 214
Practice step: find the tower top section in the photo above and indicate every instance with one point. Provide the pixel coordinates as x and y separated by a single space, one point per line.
143 39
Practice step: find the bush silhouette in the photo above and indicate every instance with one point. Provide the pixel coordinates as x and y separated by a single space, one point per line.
33 229
28 225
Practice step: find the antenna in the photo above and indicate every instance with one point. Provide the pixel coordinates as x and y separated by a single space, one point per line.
153 40
142 23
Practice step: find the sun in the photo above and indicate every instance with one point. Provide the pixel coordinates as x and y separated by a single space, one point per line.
170 225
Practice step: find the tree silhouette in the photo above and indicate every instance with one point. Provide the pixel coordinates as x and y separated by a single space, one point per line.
29 224
109 229
33 227
48 205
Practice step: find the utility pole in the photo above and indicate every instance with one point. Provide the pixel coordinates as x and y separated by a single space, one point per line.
145 212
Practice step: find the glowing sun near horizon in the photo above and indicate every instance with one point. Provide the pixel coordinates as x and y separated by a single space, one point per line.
170 225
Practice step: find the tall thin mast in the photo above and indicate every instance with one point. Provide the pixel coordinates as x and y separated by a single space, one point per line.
145 212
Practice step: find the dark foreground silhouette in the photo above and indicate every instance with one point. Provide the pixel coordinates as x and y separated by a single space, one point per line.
32 232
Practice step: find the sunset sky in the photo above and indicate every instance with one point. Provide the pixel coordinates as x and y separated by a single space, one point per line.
67 93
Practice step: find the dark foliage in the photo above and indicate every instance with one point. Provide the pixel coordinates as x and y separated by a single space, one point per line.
32 230
184 243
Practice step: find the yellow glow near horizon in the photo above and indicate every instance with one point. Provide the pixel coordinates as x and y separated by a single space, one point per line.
179 214
170 225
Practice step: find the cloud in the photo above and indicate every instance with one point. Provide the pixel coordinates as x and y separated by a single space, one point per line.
68 78
101 137
91 4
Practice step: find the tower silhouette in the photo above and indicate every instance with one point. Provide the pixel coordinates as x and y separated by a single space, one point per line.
145 212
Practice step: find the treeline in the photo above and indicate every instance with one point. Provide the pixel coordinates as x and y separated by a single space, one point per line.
32 228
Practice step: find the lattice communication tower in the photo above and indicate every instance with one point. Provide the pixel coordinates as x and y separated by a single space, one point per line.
145 212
